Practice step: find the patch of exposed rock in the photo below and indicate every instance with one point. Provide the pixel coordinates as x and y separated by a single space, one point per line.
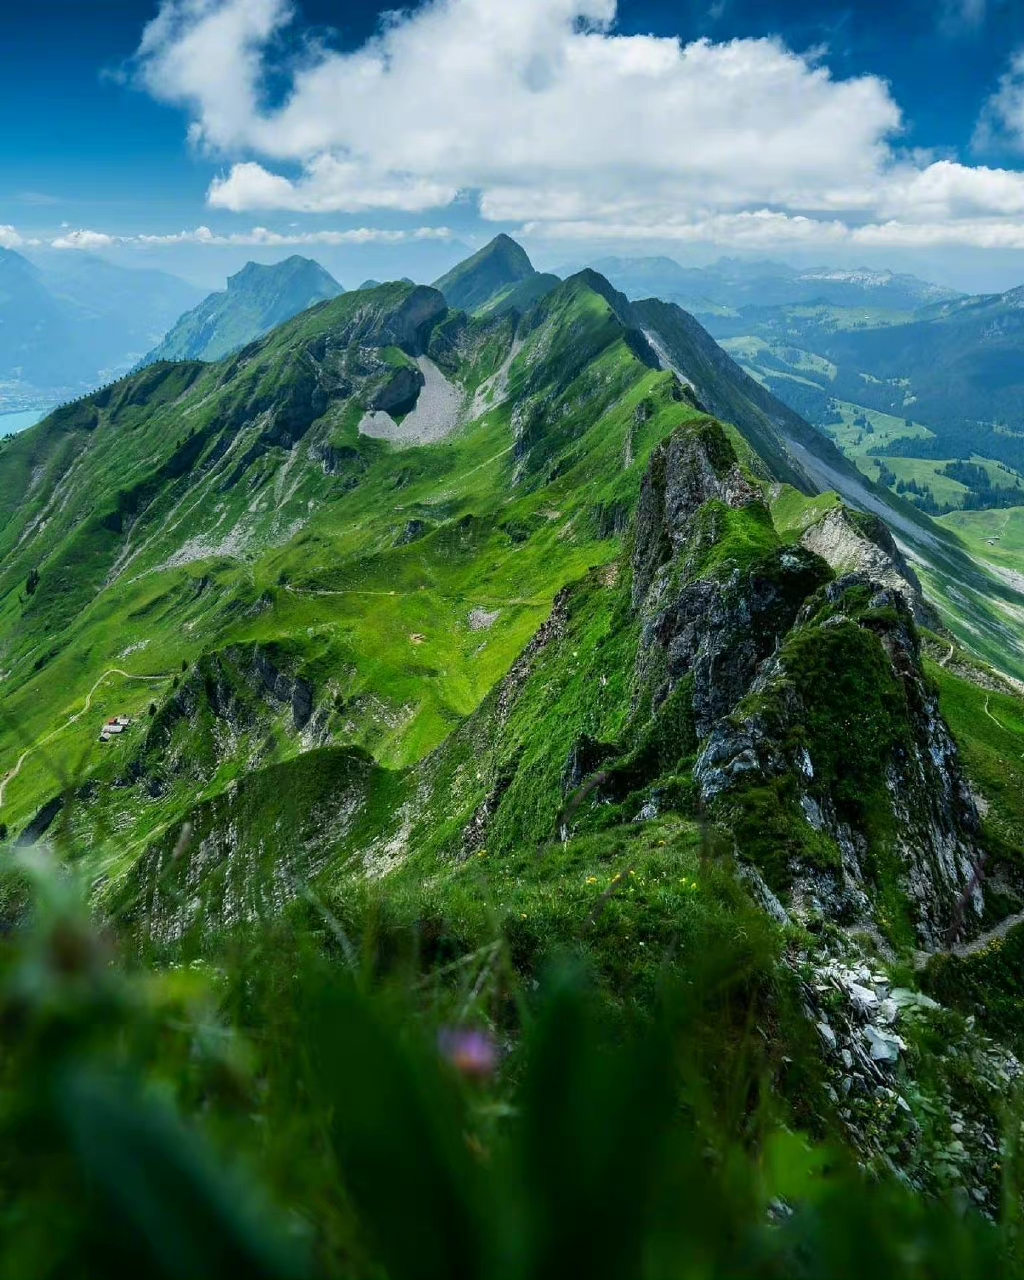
483 619
719 632
864 1023
934 825
401 391
696 465
856 543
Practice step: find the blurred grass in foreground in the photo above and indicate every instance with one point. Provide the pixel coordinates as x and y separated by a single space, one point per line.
286 1115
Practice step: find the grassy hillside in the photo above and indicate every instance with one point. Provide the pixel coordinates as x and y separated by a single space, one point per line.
405 579
458 647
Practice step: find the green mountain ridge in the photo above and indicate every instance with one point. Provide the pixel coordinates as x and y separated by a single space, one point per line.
257 299
554 626
499 277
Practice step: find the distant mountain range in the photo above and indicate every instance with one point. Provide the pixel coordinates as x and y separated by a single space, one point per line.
257 299
75 321
733 283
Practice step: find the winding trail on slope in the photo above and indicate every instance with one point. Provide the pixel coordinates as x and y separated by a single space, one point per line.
981 942
72 719
510 601
988 699
964 949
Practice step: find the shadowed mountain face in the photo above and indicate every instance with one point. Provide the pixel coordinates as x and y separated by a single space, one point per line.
257 299
76 320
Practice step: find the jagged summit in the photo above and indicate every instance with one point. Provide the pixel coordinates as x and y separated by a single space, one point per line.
257 299
499 276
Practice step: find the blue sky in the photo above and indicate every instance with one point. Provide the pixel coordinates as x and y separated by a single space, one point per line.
883 132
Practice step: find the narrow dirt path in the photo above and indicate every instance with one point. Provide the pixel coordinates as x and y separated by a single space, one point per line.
980 943
988 699
976 945
944 662
112 671
509 601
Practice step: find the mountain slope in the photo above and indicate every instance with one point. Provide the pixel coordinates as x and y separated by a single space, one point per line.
257 299
263 475
590 669
500 276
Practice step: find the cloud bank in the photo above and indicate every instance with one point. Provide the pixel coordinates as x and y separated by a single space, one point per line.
548 117
11 238
258 236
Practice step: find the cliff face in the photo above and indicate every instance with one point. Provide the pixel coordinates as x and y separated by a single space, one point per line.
821 741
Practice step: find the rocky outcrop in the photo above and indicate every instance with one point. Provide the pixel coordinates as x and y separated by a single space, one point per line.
696 465
864 1024
719 632
284 688
715 628
412 532
844 714
821 740
852 542
401 391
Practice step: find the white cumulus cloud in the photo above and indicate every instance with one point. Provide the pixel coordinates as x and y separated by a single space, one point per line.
84 239
1003 114
549 117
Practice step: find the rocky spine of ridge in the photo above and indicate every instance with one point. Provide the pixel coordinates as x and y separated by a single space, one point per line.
854 542
799 682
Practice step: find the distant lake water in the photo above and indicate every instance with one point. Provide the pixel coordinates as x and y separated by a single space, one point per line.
10 423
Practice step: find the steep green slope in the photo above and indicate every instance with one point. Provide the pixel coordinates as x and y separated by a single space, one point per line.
193 507
695 699
499 277
257 299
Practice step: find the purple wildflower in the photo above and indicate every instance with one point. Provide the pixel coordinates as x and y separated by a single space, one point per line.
470 1050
